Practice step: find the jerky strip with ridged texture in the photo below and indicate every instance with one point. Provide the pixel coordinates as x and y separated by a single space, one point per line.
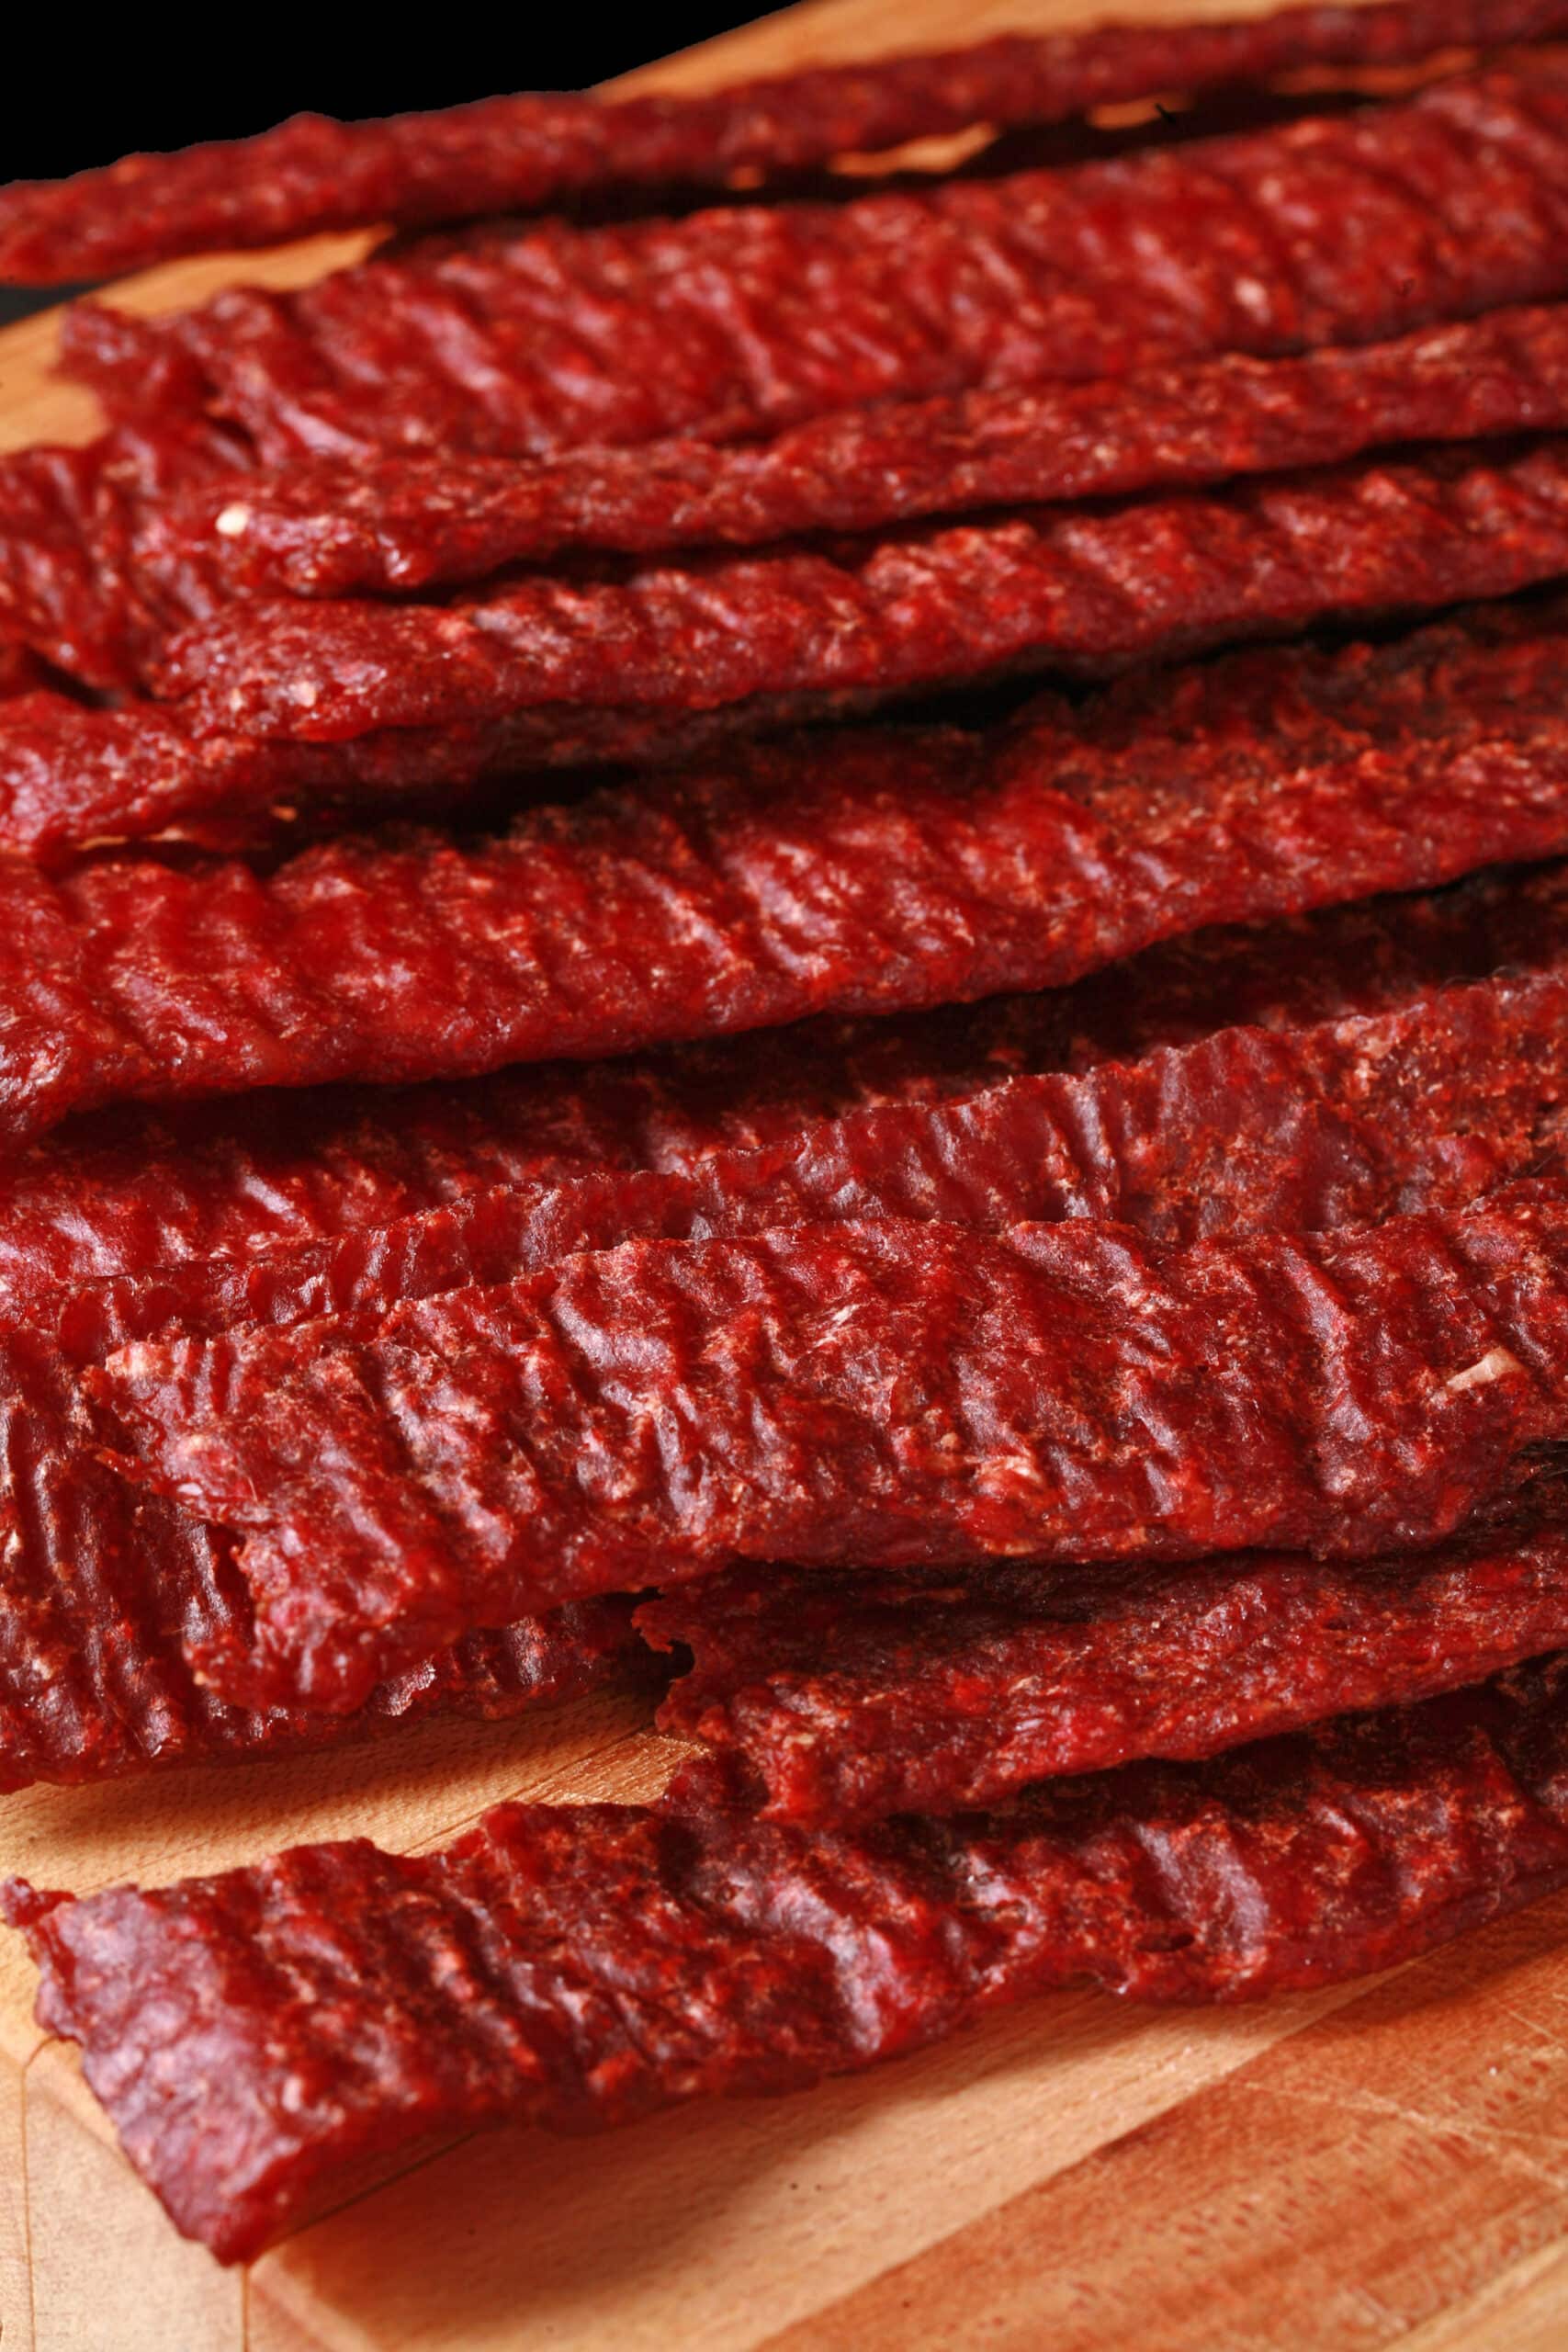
103 1588
745 318
1316 1128
869 1395
512 154
397 524
134 1190
858 873
1081 591
263 2038
847 1698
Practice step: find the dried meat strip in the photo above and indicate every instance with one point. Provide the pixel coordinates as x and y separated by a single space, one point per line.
398 524
512 154
263 2038
1315 1129
855 872
133 1190
1077 591
872 1395
743 320
847 1698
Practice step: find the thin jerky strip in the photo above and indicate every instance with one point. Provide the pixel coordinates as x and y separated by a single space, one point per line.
870 1395
261 2039
1313 1128
848 1698
134 1190
1080 591
519 154
398 523
858 873
743 320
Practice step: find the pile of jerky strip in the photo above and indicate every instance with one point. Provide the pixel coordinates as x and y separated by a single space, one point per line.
1007 1256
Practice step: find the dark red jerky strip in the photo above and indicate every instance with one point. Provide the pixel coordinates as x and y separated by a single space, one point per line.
260 2038
517 153
104 1590
848 1698
135 1190
1078 591
1314 1128
853 873
402 523
742 319
874 1395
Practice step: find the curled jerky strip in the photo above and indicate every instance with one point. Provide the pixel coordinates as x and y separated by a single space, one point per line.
847 1698
397 524
855 872
743 320
1076 591
869 1395
262 2039
514 153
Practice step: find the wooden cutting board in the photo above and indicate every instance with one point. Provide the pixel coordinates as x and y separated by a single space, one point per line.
1384 2164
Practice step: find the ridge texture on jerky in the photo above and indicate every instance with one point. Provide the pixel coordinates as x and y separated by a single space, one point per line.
511 155
879 1394
914 610
847 1698
402 523
855 872
745 318
259 2036
1080 591
133 1190
1314 1128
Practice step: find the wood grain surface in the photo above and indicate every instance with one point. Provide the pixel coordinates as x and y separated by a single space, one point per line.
1385 2165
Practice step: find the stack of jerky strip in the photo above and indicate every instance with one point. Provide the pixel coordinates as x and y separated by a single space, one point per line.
1017 1264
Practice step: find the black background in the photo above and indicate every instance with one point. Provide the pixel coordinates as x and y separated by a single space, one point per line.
240 70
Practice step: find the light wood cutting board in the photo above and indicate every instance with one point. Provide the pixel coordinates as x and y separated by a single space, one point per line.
1383 2164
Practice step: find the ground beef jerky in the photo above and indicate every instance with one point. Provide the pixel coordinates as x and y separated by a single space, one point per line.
949 603
742 319
846 1697
870 1395
134 1190
402 523
1314 1128
858 873
104 1590
515 154
262 2038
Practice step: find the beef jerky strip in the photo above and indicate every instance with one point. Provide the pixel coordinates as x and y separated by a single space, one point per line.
742 319
1324 1126
104 1590
846 1697
101 1588
869 1395
262 2039
134 1190
855 872
951 602
397 524
518 153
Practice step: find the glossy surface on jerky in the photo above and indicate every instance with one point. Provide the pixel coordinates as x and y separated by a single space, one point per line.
515 154
741 319
847 1698
578 1965
876 1393
134 1190
397 524
947 603
859 871
1315 1129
